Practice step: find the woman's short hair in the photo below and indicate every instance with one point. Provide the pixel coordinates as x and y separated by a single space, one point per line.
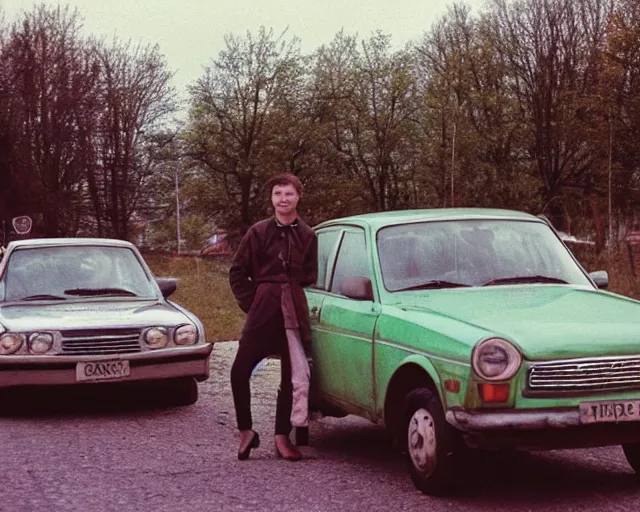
285 178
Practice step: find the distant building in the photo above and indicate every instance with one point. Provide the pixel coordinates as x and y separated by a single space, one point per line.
217 245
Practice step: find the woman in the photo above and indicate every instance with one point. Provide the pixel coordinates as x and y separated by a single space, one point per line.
276 259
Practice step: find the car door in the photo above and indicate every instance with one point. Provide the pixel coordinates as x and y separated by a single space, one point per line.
343 338
327 245
328 240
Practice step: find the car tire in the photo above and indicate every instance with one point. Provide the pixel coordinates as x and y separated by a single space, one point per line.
429 443
632 453
182 392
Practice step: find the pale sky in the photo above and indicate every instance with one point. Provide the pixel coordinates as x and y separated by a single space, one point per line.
190 32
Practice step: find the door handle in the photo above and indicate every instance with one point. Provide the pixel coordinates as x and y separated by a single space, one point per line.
314 312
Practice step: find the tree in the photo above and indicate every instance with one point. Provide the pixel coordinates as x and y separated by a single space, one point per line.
551 47
619 86
245 122
472 123
136 97
46 92
366 101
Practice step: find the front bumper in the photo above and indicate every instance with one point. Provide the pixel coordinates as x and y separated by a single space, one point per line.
151 365
539 429
513 420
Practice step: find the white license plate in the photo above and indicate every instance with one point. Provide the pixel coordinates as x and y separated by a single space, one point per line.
610 411
102 370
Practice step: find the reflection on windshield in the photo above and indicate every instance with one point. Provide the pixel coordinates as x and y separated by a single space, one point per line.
52 271
473 253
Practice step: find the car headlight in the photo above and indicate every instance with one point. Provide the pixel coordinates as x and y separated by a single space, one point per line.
10 343
40 342
496 359
185 335
156 337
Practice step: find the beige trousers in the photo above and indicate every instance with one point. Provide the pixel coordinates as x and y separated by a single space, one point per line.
300 377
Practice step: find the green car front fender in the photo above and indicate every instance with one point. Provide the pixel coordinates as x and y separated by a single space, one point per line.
415 371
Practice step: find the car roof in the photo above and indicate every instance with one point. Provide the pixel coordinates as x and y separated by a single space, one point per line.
379 219
49 242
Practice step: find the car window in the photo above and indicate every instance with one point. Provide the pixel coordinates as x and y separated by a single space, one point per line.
326 244
352 260
472 252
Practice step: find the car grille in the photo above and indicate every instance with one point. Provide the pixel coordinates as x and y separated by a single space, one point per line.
100 342
586 374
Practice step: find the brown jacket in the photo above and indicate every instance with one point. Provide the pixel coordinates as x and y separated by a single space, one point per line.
268 273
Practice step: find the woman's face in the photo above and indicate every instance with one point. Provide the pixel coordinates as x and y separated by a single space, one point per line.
284 199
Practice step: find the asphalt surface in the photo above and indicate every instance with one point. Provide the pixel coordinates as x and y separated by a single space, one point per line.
97 453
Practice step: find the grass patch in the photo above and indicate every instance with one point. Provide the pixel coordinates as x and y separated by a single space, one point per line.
619 263
621 277
203 286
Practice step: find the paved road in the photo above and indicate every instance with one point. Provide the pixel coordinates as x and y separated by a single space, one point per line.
97 457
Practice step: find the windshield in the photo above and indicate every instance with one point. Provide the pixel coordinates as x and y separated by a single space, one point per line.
473 253
59 273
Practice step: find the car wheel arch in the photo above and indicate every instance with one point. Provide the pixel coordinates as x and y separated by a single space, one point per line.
415 372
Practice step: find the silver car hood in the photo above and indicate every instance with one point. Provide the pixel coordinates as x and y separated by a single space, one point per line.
32 317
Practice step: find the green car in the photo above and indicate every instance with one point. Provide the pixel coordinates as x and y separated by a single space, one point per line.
471 328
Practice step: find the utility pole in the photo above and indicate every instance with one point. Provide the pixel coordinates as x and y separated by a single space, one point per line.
456 116
453 158
178 234
610 179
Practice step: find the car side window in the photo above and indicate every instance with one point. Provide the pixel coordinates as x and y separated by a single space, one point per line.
352 260
326 244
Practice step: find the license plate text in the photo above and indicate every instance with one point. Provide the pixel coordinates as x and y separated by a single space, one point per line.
610 411
101 370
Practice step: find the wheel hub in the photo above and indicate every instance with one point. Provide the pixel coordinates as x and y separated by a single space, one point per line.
422 441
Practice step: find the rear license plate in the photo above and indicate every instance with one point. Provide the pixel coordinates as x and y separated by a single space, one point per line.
102 370
610 411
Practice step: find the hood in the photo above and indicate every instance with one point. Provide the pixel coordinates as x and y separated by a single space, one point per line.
544 321
29 317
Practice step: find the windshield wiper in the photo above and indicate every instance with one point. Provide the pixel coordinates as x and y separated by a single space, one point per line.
92 292
525 279
432 284
43 296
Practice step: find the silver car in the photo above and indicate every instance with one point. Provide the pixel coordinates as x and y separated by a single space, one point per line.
85 310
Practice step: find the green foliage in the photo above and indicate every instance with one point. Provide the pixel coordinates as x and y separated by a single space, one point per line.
528 104
162 234
245 123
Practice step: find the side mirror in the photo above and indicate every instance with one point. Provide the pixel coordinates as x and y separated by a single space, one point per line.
357 287
167 285
601 278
